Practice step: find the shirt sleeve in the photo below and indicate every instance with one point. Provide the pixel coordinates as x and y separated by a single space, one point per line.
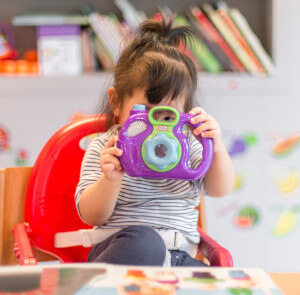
90 167
196 150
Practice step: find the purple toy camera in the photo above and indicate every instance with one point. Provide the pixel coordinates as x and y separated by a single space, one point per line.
158 148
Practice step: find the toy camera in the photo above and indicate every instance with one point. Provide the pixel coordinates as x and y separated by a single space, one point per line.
158 148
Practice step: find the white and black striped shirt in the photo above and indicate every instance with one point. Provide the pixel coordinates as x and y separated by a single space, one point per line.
159 203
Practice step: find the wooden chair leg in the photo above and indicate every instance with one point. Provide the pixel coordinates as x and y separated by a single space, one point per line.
2 171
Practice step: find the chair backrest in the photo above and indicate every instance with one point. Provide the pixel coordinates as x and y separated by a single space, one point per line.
49 204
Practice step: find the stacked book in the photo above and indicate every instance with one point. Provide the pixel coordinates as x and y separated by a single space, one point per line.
226 41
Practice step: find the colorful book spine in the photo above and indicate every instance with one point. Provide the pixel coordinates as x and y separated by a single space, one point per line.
88 56
222 9
200 50
209 41
104 58
182 47
217 37
252 39
132 16
105 33
230 39
187 51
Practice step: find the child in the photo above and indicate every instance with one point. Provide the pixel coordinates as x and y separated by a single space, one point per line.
149 221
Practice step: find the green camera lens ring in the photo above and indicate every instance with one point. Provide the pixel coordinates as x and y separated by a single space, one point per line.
168 131
171 123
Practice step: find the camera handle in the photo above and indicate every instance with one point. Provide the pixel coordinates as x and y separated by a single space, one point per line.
207 144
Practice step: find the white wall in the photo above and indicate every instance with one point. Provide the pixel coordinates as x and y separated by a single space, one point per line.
271 111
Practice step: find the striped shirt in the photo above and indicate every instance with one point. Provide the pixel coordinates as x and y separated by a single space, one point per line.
158 203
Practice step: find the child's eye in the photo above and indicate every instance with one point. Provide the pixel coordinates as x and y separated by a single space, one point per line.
168 118
163 115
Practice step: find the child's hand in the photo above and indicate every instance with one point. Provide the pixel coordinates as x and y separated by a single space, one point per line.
208 128
109 161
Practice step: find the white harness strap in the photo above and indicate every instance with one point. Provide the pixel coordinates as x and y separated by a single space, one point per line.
82 237
174 240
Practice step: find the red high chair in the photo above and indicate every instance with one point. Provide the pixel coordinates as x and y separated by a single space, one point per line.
50 206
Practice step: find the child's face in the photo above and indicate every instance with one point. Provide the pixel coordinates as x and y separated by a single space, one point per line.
138 97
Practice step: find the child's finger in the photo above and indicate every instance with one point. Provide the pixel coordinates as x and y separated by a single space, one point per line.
208 134
200 118
112 151
208 125
197 111
111 142
108 159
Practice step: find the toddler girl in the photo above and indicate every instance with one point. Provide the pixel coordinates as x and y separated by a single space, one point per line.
150 221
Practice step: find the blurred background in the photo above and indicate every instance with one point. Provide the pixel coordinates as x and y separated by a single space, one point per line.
56 59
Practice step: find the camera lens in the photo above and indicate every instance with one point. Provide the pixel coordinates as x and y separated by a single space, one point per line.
160 150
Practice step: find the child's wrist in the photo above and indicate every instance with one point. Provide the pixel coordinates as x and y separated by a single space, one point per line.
111 180
219 146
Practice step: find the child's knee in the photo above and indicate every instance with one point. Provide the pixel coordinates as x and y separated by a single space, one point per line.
144 243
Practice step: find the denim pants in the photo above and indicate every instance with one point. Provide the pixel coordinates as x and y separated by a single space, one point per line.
138 245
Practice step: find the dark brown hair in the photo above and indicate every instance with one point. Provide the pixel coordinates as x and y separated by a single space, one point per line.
152 61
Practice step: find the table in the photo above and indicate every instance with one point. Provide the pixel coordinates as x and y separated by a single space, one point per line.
68 278
288 283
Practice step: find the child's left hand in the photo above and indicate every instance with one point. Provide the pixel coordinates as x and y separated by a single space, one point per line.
208 128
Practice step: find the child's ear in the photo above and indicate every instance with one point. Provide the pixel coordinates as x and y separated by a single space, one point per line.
113 101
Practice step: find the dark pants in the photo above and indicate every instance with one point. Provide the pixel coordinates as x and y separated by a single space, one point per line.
138 245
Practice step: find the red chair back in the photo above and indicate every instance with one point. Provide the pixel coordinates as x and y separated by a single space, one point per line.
49 204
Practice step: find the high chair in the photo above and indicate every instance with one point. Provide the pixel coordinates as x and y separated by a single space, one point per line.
46 191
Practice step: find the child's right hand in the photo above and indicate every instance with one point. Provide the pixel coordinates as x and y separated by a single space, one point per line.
109 161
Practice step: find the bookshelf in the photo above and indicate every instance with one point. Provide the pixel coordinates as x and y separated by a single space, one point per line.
258 13
86 89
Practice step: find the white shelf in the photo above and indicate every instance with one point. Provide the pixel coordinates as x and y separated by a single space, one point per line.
226 84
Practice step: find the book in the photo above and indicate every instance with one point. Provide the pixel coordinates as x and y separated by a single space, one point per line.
200 50
88 54
196 17
103 30
217 37
131 15
222 9
182 47
229 37
252 40
59 49
188 52
104 58
108 279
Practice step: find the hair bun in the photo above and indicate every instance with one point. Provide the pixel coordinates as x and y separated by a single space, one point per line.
165 32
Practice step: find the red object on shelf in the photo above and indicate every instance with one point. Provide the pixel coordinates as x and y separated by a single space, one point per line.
18 67
31 55
7 43
50 207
